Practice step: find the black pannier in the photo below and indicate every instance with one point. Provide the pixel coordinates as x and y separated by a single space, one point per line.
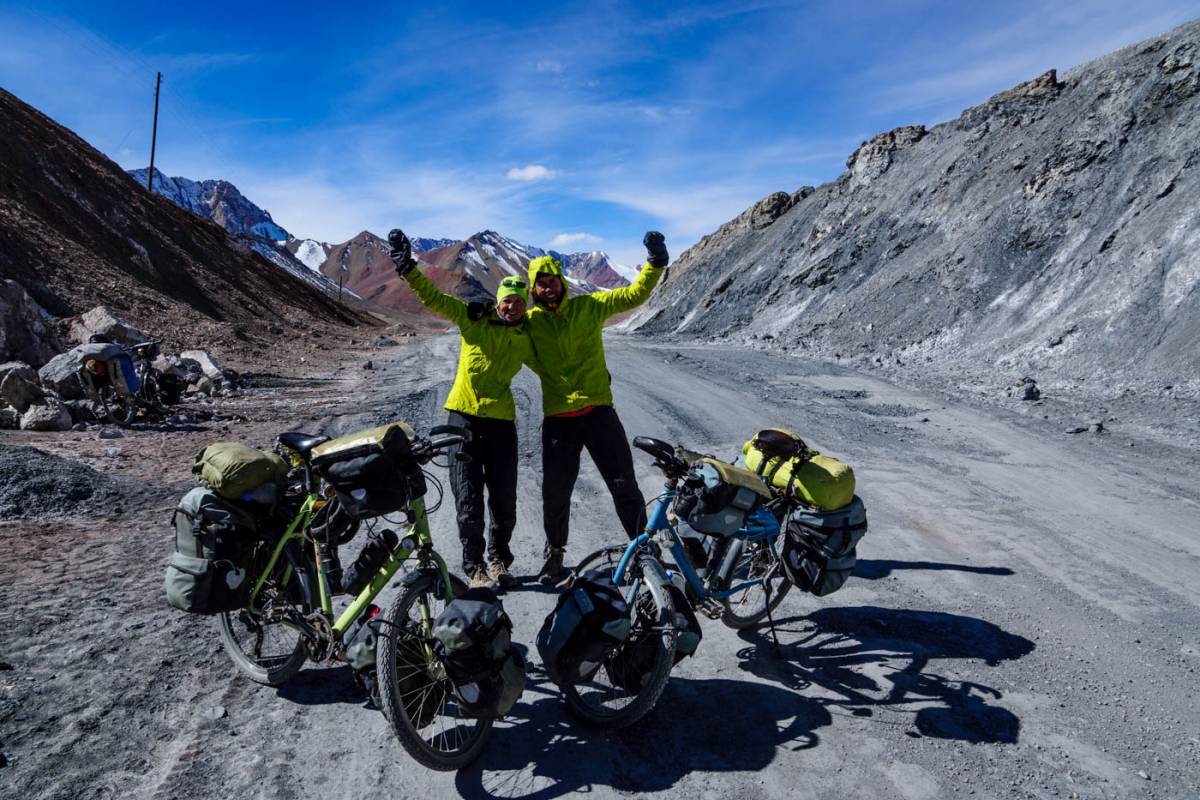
631 667
472 639
373 471
819 551
716 497
214 541
589 622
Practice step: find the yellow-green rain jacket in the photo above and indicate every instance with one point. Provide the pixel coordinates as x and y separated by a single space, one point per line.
567 342
492 353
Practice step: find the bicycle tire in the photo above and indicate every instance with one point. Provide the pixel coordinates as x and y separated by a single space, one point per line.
755 557
582 700
271 670
412 700
121 408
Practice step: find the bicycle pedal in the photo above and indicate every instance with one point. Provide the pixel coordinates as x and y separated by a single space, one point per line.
711 609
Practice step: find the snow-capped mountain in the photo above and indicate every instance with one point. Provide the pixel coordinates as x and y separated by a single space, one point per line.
217 200
595 269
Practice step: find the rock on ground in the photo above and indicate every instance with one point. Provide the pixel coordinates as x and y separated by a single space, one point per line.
19 387
103 323
62 375
49 415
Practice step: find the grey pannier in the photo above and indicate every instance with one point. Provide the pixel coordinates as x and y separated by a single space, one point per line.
820 549
213 543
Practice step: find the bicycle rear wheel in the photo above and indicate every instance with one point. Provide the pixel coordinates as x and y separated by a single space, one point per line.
750 606
416 696
625 688
264 646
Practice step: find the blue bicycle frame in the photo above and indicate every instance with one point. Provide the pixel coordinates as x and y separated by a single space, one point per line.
761 525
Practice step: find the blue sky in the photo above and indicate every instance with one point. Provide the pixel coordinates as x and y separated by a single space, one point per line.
572 125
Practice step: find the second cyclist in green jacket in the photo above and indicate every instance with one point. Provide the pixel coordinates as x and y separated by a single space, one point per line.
495 345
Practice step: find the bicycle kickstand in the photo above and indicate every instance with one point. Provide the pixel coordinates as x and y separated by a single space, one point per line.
771 623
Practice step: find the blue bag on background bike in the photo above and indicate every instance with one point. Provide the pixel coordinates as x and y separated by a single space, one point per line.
590 620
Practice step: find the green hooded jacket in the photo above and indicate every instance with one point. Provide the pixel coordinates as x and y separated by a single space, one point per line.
567 341
492 353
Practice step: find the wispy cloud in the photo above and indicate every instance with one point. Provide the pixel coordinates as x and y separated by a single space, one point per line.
550 65
565 240
531 172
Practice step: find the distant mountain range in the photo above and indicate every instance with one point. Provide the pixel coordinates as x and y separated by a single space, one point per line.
471 268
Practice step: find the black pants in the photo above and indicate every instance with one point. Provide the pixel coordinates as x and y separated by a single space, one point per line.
563 439
492 464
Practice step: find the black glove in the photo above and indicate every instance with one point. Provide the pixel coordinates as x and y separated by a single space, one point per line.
401 252
656 249
479 309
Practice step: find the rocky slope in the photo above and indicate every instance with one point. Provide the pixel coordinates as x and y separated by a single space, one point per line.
76 232
1051 228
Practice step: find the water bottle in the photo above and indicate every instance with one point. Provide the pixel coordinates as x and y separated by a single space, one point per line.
377 550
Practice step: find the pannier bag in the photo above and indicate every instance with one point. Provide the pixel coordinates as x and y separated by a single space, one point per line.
819 551
588 623
372 471
786 462
362 643
109 362
213 543
716 497
237 472
631 666
472 638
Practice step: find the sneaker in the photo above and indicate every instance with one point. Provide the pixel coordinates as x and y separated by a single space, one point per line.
480 578
552 571
499 573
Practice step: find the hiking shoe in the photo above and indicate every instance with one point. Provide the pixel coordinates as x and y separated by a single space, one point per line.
552 571
499 573
480 578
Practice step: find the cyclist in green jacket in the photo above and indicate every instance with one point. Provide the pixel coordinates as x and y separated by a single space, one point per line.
494 347
577 395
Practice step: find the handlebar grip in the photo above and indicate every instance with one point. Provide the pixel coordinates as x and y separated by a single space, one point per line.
454 430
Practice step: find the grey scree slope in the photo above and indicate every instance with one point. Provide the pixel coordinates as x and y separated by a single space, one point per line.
1052 228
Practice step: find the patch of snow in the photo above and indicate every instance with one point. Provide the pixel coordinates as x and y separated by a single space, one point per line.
311 254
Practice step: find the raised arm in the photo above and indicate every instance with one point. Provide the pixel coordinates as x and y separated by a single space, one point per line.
614 301
436 301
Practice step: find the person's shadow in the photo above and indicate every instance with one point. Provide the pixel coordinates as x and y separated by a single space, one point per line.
546 753
875 569
867 657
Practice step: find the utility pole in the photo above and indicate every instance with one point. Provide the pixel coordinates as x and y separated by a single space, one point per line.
154 135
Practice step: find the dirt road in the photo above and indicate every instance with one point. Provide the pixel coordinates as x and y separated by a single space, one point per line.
1023 621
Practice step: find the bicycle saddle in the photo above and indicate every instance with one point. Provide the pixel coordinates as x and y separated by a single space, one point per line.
302 443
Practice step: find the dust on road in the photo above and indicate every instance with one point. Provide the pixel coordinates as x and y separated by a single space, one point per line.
1023 621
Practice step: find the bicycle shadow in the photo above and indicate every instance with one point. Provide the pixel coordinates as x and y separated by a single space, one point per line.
546 753
865 658
322 686
874 569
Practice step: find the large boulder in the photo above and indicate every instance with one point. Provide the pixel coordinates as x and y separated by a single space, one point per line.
19 387
208 364
50 415
106 326
25 333
62 375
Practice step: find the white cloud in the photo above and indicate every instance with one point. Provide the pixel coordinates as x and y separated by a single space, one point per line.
531 172
549 65
565 240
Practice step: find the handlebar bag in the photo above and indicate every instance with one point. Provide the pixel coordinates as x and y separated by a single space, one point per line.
716 497
787 463
589 622
472 637
213 543
820 549
372 471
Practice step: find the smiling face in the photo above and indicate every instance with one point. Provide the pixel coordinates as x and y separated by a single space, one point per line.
548 290
511 308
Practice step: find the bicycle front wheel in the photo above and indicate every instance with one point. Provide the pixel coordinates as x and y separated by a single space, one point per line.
416 695
760 566
625 688
264 645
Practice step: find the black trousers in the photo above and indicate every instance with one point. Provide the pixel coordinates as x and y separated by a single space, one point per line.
563 439
492 465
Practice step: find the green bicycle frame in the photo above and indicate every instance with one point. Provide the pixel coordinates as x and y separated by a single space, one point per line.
418 538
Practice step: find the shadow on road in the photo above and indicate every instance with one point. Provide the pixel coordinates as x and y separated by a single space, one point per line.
547 754
874 569
322 686
866 657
